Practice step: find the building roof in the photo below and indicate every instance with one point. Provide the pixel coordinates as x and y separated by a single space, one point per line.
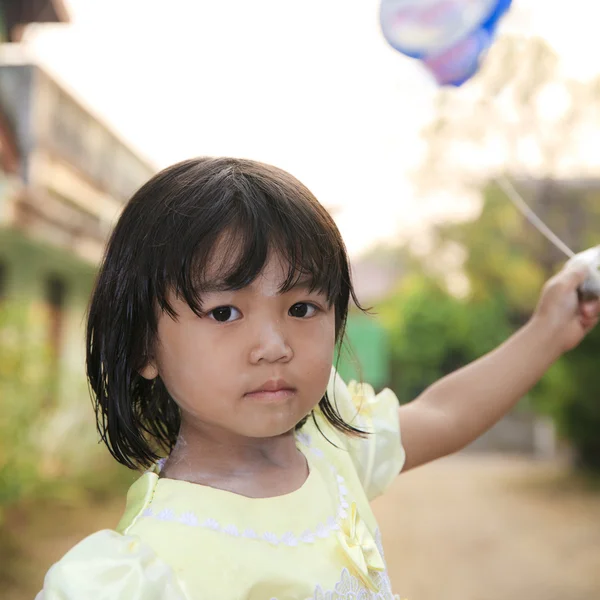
19 55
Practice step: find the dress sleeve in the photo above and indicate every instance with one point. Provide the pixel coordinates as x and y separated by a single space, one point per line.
107 565
379 456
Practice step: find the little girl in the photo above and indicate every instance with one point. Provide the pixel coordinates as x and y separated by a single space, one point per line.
210 341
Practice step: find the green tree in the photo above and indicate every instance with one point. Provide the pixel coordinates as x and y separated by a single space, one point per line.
508 263
433 333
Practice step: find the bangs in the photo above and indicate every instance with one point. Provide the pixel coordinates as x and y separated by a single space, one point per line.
225 244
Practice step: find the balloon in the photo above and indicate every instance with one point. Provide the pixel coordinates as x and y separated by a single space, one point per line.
448 36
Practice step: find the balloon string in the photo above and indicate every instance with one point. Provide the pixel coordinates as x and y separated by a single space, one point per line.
518 201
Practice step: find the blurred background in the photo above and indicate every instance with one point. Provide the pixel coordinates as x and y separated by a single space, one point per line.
95 97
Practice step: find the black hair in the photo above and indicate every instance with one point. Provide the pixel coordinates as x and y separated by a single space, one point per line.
162 243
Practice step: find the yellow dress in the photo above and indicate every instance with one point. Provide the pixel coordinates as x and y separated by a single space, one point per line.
182 541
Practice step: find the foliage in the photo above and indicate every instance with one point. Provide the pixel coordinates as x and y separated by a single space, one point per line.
25 378
47 436
433 333
570 394
508 261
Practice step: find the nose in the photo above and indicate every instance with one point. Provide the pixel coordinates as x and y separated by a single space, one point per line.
271 346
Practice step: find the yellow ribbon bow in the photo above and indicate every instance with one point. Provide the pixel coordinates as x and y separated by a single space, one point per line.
363 398
359 545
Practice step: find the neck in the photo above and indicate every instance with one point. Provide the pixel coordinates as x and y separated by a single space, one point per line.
250 466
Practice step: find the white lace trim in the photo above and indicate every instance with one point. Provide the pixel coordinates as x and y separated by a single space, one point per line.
349 587
322 530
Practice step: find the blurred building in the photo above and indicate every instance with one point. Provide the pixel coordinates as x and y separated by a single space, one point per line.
64 178
15 15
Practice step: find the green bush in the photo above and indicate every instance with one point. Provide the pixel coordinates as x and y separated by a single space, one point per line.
48 441
433 333
570 394
26 378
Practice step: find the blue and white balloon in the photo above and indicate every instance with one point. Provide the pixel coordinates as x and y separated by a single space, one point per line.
448 36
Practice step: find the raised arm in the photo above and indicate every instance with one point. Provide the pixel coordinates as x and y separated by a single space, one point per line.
459 408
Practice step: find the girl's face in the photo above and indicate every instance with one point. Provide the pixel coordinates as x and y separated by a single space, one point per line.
256 362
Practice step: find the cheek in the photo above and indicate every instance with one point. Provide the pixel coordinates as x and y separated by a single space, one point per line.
325 346
182 361
319 350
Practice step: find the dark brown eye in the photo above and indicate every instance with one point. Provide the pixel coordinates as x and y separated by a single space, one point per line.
222 314
302 309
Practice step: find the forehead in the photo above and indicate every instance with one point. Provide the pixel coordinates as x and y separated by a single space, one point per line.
227 256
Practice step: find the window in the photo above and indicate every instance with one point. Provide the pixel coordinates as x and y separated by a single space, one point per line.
56 291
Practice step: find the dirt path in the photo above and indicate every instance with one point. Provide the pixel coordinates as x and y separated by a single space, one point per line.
464 528
492 528
40 538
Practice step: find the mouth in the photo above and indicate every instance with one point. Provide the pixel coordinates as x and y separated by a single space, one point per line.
274 390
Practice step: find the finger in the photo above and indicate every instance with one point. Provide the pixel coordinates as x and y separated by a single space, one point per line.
589 324
573 277
590 308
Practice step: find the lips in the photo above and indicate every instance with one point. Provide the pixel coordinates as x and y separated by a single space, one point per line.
272 390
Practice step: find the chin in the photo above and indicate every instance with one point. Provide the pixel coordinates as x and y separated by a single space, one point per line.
272 430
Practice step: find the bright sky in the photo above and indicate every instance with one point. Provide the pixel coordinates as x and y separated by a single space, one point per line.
309 86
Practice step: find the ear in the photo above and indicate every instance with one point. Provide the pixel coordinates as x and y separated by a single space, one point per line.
149 370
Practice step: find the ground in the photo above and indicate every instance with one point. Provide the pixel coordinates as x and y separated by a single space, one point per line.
464 528
492 528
